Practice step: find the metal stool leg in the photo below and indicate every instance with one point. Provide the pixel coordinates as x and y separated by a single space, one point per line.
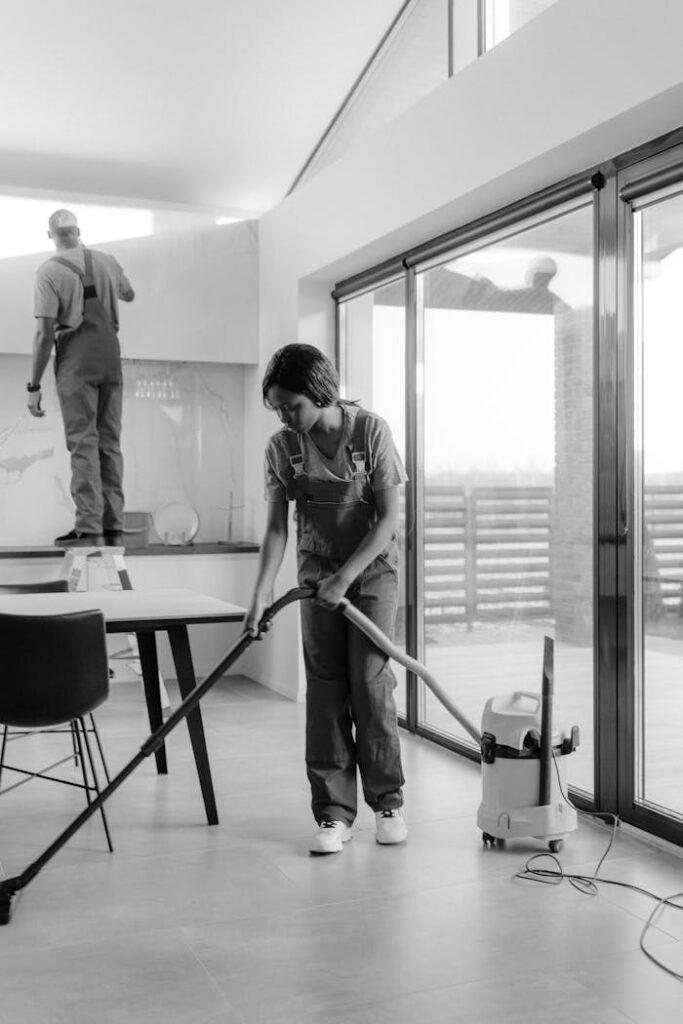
99 747
85 751
2 751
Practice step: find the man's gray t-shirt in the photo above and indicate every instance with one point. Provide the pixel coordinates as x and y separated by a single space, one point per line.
386 468
58 292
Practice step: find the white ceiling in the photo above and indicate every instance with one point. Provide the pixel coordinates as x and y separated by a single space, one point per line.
214 103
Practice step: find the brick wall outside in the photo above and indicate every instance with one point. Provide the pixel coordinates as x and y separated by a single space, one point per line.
572 529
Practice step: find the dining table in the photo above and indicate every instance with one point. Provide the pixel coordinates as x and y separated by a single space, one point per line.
145 613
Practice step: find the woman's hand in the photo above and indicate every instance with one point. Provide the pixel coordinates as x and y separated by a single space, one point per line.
331 590
253 617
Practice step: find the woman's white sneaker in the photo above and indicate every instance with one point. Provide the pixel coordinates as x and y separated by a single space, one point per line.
391 828
330 837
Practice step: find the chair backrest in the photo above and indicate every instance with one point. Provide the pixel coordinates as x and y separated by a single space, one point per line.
52 667
47 587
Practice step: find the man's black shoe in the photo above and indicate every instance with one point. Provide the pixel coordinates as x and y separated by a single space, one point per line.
75 539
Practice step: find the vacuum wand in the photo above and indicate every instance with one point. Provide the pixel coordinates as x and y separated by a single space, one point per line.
380 640
546 724
375 634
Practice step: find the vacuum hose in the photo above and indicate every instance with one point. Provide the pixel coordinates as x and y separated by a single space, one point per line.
379 639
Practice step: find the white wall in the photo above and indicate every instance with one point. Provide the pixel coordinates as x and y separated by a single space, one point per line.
583 82
196 290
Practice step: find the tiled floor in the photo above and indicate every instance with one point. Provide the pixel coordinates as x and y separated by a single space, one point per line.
237 924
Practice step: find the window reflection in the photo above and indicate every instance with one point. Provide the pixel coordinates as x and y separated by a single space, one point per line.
659 468
508 470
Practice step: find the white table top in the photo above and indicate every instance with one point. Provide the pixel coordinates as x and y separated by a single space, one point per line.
129 610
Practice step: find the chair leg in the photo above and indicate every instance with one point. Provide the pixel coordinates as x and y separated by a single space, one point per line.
5 730
99 747
74 742
84 749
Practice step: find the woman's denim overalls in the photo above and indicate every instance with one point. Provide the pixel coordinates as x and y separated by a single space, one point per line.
350 682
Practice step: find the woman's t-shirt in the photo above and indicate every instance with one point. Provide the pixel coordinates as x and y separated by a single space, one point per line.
386 468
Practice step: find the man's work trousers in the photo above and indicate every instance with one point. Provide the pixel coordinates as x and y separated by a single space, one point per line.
92 426
351 712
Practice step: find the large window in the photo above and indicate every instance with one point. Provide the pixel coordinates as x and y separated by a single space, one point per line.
658 359
508 472
541 403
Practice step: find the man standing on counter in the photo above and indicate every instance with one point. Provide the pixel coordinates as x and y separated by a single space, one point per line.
76 309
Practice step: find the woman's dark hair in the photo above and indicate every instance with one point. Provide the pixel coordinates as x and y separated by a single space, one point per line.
303 370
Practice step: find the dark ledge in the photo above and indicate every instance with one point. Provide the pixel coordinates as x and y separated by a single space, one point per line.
216 548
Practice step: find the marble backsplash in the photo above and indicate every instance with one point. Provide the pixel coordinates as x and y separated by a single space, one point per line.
183 440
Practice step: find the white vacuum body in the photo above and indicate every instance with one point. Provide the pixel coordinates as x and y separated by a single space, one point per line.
524 757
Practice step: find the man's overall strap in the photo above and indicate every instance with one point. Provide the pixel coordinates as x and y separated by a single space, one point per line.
87 280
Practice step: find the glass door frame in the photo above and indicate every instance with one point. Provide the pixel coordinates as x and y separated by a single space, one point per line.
639 183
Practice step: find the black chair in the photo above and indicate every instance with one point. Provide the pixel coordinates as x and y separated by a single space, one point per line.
53 672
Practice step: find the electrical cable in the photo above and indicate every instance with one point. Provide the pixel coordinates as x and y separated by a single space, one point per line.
589 885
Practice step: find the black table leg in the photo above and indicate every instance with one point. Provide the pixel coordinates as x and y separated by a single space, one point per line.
150 677
182 657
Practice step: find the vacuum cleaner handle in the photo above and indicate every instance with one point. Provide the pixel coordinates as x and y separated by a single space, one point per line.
382 641
374 633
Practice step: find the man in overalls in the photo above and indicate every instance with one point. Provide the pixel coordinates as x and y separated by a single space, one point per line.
76 308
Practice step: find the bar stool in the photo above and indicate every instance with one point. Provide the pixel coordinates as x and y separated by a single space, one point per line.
53 672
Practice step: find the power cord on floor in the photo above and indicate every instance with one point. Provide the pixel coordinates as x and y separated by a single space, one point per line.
588 885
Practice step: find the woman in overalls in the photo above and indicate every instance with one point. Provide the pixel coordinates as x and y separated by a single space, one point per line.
339 464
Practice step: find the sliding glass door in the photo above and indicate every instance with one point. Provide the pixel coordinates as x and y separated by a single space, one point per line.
507 490
530 368
653 767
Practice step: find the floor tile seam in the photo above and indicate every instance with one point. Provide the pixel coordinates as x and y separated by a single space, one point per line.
159 855
391 897
609 893
92 943
215 983
588 987
470 982
653 926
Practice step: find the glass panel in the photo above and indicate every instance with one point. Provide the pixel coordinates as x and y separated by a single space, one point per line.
508 471
659 472
373 372
503 17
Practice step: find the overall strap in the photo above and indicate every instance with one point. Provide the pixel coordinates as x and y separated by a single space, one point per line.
360 449
87 280
296 460
90 290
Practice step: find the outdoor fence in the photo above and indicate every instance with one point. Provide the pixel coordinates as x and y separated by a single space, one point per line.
488 553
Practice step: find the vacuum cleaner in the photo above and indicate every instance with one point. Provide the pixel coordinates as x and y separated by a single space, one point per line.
510 768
